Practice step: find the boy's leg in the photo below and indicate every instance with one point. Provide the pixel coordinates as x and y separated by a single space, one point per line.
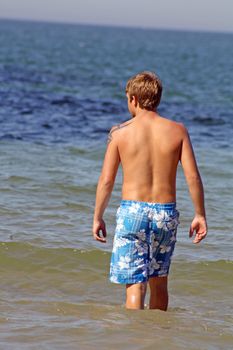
158 293
135 295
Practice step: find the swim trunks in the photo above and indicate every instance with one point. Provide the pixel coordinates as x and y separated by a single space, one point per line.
144 241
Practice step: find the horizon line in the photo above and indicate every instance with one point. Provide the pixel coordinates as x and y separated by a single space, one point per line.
64 22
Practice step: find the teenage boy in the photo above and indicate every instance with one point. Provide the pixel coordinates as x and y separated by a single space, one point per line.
149 148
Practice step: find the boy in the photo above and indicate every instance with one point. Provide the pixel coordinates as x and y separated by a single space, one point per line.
149 148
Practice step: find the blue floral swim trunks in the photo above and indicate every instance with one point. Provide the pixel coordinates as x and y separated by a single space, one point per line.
144 241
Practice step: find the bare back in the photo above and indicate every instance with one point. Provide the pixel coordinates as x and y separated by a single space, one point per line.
149 148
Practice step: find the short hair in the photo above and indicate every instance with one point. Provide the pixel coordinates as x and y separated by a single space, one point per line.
147 88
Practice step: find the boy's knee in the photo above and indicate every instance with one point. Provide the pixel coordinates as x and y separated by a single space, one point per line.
137 290
135 294
140 287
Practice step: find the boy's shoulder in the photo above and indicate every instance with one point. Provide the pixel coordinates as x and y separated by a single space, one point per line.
179 126
116 128
182 128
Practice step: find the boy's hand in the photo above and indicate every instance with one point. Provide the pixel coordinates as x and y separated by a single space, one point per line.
99 225
200 226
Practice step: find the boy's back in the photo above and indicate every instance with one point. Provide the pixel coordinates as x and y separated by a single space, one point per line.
149 149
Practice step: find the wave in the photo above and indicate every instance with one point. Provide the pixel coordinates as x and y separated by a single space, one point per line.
27 256
90 189
17 178
18 255
209 121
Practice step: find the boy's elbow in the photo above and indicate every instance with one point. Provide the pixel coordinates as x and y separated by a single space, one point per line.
193 179
106 181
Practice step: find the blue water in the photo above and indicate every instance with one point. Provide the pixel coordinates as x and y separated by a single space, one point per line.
65 83
61 89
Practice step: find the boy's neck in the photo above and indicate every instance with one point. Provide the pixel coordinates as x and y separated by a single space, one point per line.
144 112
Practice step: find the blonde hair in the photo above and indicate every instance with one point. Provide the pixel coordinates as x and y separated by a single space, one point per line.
147 88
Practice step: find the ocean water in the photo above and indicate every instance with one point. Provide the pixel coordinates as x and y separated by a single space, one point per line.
61 90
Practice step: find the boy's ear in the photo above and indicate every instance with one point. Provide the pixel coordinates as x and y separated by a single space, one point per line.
135 101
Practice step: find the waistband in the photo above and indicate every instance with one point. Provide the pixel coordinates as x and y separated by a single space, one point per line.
165 206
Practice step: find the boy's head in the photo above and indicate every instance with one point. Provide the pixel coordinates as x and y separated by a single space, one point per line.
145 89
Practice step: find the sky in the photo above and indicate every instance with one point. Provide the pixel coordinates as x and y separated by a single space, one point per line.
208 15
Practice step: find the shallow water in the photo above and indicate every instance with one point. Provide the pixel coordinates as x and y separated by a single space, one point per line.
62 87
65 292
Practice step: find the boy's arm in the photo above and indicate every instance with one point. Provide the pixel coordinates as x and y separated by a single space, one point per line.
105 185
195 186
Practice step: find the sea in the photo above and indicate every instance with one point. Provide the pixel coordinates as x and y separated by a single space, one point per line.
62 87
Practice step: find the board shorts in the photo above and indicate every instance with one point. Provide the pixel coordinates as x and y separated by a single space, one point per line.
144 241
